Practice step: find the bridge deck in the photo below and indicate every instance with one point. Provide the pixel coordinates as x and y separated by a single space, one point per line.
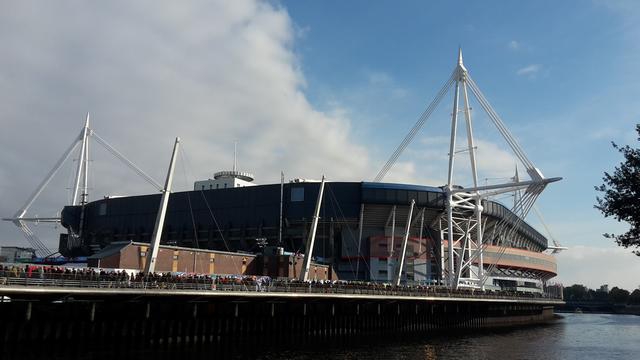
236 292
226 318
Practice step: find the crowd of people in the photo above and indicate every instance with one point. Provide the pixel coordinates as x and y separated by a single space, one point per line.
91 277
367 287
125 278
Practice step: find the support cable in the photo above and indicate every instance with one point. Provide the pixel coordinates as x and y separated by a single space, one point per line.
193 220
546 227
215 221
33 239
414 130
47 179
352 235
17 217
495 118
126 161
520 210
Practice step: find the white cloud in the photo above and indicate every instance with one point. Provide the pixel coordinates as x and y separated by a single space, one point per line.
530 70
604 133
379 78
494 162
403 172
514 45
399 92
210 72
594 266
383 84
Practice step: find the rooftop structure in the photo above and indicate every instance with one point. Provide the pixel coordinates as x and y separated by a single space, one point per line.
226 179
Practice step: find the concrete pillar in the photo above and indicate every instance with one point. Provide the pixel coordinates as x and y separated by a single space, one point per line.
170 332
92 313
27 314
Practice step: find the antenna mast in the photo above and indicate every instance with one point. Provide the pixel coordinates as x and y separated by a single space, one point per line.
235 155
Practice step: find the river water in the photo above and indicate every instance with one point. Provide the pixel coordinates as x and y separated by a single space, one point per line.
575 336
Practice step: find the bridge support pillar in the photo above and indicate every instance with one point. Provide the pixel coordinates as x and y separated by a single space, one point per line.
27 315
92 314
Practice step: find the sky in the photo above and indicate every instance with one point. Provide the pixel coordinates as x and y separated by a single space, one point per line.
328 87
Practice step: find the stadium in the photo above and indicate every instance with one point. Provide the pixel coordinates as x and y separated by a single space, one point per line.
375 231
361 228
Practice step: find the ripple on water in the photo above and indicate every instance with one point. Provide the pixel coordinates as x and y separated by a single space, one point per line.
575 337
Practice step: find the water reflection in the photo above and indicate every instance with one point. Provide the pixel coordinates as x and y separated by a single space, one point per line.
576 336
430 352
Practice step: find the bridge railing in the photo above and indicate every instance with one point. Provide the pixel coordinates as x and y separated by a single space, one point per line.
211 284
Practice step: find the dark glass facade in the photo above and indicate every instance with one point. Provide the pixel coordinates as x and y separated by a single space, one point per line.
247 218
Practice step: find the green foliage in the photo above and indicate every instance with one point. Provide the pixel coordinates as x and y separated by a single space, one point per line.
634 298
575 292
621 191
597 295
618 296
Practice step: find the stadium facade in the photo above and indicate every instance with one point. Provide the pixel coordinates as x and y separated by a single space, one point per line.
361 228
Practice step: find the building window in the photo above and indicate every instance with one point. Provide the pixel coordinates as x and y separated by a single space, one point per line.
422 198
217 186
297 194
102 210
402 196
225 185
202 187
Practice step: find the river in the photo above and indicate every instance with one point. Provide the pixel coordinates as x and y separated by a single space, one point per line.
575 336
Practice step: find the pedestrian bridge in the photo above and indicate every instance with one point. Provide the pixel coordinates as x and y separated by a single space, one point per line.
56 289
149 316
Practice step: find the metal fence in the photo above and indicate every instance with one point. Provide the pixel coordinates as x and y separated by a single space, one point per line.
276 286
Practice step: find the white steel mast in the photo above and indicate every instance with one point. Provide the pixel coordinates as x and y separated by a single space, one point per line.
304 274
152 252
80 170
405 240
461 244
281 203
80 189
463 225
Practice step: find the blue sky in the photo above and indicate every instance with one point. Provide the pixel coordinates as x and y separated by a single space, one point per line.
341 81
562 75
